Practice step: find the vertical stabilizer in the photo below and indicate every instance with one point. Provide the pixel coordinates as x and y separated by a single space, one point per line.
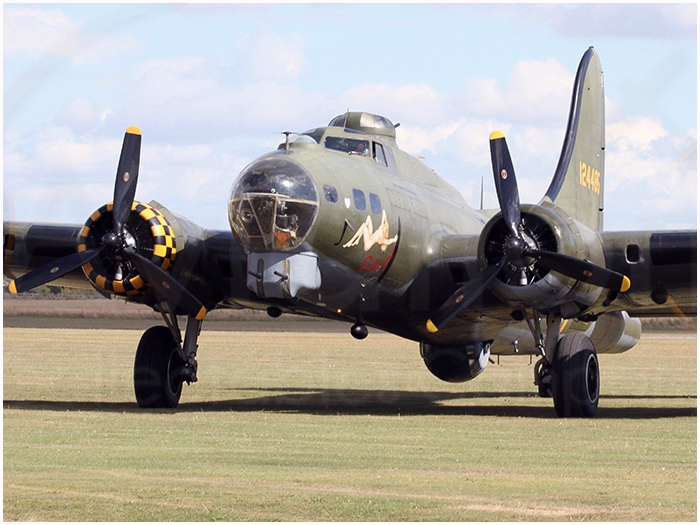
577 185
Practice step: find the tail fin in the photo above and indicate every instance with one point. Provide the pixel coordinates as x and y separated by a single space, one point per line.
577 185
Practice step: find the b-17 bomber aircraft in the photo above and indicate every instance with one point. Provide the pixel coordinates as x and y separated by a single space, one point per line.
339 223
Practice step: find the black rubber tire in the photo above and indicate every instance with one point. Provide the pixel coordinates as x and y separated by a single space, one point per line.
544 377
157 358
544 389
575 377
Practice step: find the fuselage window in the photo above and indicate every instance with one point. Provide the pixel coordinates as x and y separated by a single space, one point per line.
379 154
375 204
360 202
351 146
330 193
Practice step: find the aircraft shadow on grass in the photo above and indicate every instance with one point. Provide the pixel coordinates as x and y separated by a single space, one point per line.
330 402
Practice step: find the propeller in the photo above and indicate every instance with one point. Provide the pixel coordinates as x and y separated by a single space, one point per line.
53 270
463 297
127 177
114 243
516 249
166 286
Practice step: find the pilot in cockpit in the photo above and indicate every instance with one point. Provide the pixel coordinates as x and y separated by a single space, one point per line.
362 148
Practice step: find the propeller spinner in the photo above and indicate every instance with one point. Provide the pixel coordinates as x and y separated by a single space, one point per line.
516 250
117 244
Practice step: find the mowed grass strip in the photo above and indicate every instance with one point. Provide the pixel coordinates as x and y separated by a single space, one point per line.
309 427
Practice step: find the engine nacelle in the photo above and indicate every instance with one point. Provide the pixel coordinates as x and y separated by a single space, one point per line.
527 282
614 332
456 364
146 231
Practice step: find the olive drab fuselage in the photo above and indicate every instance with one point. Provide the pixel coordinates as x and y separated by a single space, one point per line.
369 225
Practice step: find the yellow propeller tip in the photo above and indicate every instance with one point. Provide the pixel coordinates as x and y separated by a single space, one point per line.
133 130
200 315
12 287
497 135
626 283
430 326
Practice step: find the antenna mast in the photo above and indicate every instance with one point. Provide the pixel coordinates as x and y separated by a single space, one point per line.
481 200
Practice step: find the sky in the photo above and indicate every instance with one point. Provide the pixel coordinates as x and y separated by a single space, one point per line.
213 86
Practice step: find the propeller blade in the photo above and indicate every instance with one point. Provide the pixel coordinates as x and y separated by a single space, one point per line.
127 177
463 297
581 270
506 183
53 270
167 286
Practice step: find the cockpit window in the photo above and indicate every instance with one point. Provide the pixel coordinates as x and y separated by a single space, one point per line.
351 146
379 154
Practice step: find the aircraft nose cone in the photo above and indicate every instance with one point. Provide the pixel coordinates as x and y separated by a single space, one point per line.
273 204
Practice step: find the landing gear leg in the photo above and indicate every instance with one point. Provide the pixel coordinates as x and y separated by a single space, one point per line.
547 346
163 362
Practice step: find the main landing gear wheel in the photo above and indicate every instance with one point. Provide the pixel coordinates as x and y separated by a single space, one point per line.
575 377
157 377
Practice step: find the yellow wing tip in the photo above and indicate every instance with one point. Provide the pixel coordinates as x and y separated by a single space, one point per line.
497 135
626 284
430 326
12 287
133 130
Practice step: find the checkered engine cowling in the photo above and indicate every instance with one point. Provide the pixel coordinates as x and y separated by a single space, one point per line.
146 231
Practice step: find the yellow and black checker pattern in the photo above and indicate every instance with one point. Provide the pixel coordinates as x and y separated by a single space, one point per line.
164 249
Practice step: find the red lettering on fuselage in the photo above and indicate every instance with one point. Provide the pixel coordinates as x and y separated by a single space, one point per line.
374 264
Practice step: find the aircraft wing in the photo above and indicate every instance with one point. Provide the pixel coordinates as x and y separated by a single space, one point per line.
27 246
209 263
662 268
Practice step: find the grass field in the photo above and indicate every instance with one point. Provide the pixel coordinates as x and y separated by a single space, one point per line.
285 426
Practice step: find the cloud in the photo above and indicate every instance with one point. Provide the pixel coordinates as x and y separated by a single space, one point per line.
56 153
417 103
536 91
42 33
651 176
590 20
39 32
64 201
635 133
665 21
268 55
82 115
253 90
